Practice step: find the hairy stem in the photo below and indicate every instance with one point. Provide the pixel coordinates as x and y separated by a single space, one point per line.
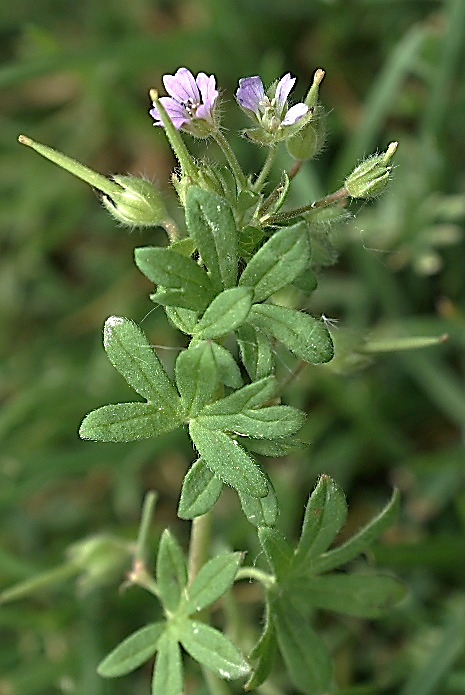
261 178
338 196
231 158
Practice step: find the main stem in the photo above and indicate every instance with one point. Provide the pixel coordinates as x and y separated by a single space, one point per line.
199 544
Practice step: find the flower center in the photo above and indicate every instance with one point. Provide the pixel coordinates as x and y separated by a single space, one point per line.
190 106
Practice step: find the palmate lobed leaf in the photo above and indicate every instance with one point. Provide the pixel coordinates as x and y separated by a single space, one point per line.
256 353
269 422
126 422
201 489
132 652
227 312
260 511
249 396
197 376
214 578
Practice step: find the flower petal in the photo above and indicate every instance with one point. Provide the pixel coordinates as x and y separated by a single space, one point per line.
283 89
182 86
175 111
208 92
250 93
294 114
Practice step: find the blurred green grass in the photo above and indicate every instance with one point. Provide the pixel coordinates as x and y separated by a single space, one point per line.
76 76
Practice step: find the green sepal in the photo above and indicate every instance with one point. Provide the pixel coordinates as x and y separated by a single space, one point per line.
264 651
278 262
277 550
182 281
261 511
132 355
305 655
270 422
171 571
134 651
212 649
256 353
200 491
305 336
361 595
211 225
213 580
228 369
125 422
227 312
250 396
197 377
228 460
361 540
325 515
167 671
184 320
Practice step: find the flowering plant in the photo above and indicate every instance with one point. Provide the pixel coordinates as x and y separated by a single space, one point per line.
219 280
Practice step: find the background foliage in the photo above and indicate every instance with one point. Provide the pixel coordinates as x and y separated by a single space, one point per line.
76 75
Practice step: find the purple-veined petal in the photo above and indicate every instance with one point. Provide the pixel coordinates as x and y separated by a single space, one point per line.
175 111
250 93
208 92
294 114
283 89
182 86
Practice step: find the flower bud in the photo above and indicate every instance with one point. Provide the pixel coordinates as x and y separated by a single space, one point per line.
137 202
371 176
310 140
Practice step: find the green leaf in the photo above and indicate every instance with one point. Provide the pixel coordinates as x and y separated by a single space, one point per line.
132 355
167 673
125 422
272 447
362 595
325 515
197 377
305 655
230 374
255 350
132 652
183 319
361 540
211 225
200 491
212 649
227 311
277 550
265 652
270 422
250 396
228 460
305 336
278 262
171 571
214 578
183 282
260 511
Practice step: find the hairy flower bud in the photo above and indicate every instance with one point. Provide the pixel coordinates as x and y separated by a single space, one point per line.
138 203
371 176
309 141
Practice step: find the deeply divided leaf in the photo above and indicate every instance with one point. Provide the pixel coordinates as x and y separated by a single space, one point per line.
132 355
264 652
256 353
214 578
230 374
201 489
270 422
227 312
171 571
248 397
197 376
134 651
211 225
126 422
277 550
260 511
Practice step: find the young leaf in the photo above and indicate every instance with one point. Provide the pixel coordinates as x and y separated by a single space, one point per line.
125 422
325 515
227 311
305 336
200 491
183 282
171 571
197 376
255 350
183 319
362 595
270 422
211 225
305 655
277 550
131 354
167 672
212 649
265 652
278 262
250 396
215 577
361 540
260 511
230 374
228 460
132 652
